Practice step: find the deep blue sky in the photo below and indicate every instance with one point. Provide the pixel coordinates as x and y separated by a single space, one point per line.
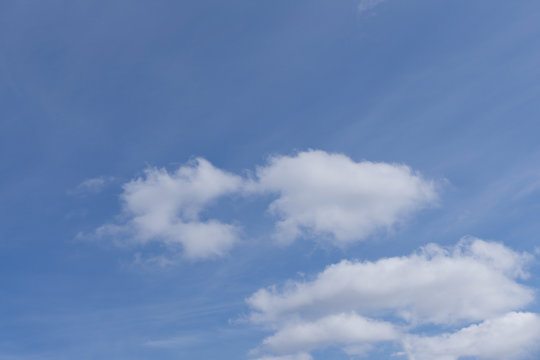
105 89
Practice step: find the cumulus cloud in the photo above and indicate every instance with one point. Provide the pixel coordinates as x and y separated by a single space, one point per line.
317 194
475 281
163 206
322 194
472 281
512 336
330 330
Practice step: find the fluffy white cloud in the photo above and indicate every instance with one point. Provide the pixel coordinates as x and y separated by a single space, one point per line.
336 329
318 194
165 207
475 281
511 336
330 194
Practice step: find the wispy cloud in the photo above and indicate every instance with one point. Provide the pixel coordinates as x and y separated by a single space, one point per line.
299 356
175 342
92 186
366 5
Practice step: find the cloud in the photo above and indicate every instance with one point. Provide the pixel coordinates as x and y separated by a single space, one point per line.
175 342
329 194
512 336
475 281
470 282
165 207
299 356
366 5
92 186
330 330
316 194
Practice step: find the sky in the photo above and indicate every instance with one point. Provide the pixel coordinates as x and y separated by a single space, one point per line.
269 180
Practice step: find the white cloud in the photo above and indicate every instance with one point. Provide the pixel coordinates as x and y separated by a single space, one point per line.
165 207
330 330
366 5
511 336
473 282
318 194
330 194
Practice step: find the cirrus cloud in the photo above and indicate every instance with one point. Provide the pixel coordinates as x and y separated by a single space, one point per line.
367 5
299 356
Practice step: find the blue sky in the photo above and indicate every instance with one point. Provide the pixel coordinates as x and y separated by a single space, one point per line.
373 127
